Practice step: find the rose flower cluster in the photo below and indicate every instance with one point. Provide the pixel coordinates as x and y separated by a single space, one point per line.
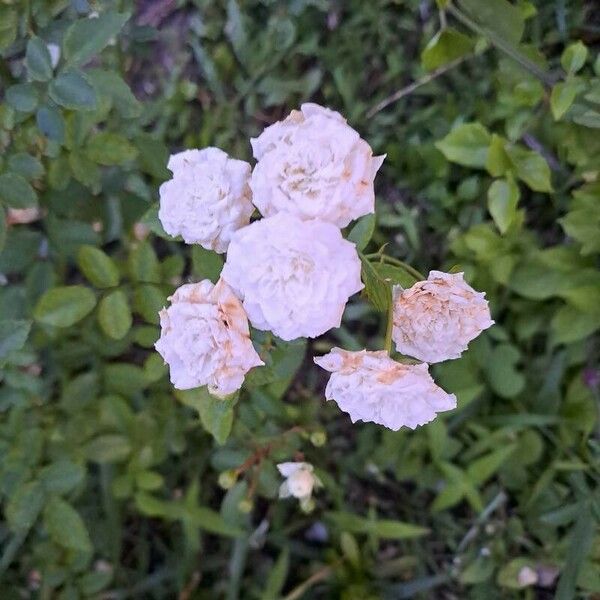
292 272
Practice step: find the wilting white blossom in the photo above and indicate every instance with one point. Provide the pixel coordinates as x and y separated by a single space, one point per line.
435 320
370 386
207 199
205 338
294 277
300 481
314 165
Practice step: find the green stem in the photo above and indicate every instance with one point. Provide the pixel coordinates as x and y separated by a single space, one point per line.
389 329
503 45
399 263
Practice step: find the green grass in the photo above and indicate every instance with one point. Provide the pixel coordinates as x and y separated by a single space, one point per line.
109 479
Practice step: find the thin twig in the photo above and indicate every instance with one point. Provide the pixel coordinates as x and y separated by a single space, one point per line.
263 451
409 89
191 587
546 78
496 503
320 575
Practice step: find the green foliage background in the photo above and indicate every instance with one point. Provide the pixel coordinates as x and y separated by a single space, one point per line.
112 485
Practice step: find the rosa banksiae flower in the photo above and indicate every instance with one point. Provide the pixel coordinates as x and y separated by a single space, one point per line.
314 165
435 320
294 277
300 481
205 338
370 386
207 199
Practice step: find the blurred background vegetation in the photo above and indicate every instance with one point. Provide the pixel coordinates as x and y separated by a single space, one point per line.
113 487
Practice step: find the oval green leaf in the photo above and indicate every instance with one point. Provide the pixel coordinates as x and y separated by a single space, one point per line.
64 306
114 315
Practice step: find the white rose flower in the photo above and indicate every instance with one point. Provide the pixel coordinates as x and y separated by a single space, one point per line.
434 320
370 386
300 481
293 276
207 199
205 338
314 165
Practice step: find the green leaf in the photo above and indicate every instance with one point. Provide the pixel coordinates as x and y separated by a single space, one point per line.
394 275
508 575
447 45
62 476
114 315
38 60
124 378
571 325
531 168
51 123
26 165
459 486
216 414
199 516
504 377
95 581
64 306
110 85
588 118
466 145
13 335
143 264
277 576
151 220
503 197
478 571
497 163
109 448
155 507
72 90
98 267
582 222
562 97
9 19
480 470
24 506
498 16
22 97
574 57
66 527
148 301
87 37
580 544
382 528
206 264
84 170
153 156
377 289
583 297
16 191
108 148
362 231
3 228
236 31
149 480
